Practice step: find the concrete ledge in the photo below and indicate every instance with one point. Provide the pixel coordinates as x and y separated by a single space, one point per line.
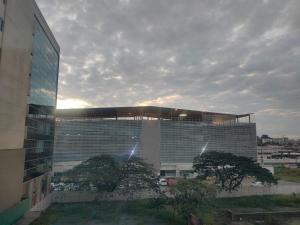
78 196
260 214
12 215
282 188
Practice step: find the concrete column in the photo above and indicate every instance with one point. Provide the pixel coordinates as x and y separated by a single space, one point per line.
150 142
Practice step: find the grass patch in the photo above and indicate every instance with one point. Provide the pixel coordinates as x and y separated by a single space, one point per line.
264 201
288 174
111 212
81 213
143 208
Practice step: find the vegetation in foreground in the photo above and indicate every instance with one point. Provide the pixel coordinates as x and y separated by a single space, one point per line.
216 171
288 174
108 174
106 213
161 212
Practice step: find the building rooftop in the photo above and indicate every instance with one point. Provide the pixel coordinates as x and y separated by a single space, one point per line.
141 112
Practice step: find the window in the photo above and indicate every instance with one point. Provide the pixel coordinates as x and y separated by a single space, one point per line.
39 146
1 24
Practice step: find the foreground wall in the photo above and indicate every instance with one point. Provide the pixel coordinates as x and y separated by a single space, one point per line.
26 71
15 60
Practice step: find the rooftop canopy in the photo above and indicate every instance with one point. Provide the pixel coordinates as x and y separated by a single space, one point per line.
140 112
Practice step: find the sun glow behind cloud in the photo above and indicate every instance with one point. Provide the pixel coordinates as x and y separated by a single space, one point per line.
203 55
72 103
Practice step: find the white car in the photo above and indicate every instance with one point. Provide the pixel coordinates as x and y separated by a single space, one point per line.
256 184
163 182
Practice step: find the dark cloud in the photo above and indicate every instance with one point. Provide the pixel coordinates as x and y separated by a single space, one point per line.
226 56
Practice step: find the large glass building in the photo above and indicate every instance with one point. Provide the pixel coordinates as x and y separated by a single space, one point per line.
41 105
40 120
167 138
29 58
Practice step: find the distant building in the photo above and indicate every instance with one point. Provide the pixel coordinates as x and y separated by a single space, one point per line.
265 139
29 61
276 155
168 138
280 141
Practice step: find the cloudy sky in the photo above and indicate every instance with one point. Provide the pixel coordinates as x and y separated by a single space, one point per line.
235 56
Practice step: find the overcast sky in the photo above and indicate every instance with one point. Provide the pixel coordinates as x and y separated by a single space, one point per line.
235 56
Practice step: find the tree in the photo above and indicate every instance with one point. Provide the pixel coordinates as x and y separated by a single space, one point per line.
103 172
138 175
230 170
158 202
108 174
189 194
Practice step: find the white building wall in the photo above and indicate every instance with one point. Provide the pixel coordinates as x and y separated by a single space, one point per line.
15 62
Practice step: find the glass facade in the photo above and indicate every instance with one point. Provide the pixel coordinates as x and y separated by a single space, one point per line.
181 141
44 72
40 120
80 139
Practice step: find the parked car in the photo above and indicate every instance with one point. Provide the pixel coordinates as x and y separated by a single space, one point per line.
256 184
163 182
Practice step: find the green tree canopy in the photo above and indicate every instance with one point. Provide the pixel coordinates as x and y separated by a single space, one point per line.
108 173
189 194
136 174
229 170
